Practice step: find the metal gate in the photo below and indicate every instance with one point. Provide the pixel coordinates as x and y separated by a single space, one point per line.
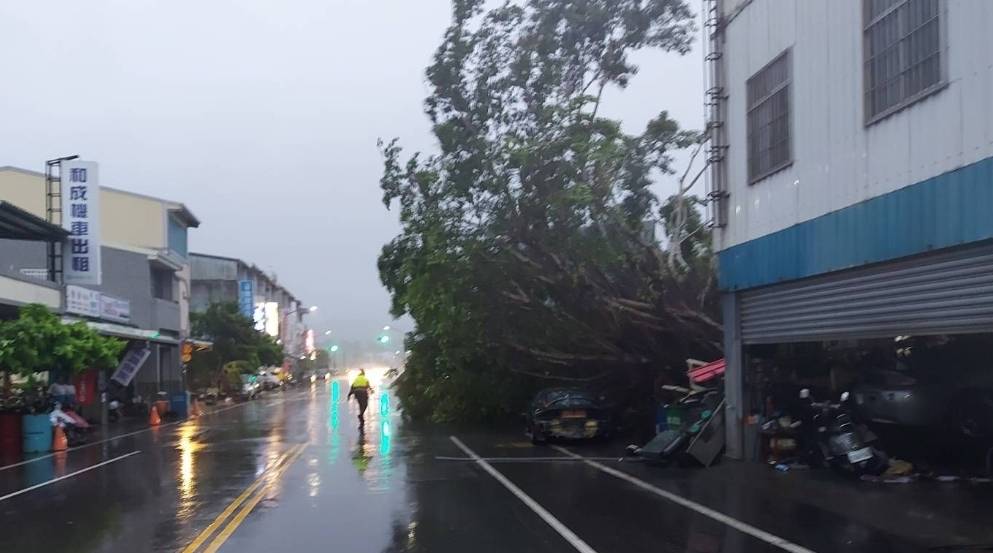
945 293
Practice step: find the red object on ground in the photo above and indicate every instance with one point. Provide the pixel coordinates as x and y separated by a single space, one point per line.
153 417
707 372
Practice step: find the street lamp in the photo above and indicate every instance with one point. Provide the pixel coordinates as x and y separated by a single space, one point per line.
327 332
386 328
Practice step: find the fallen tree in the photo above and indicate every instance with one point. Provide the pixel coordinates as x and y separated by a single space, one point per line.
528 255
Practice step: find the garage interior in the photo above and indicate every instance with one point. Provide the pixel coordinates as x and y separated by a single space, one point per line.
909 341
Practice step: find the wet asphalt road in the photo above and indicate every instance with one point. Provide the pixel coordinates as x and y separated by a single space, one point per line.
292 472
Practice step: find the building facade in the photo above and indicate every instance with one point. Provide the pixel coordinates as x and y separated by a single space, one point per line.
275 310
852 172
25 234
144 292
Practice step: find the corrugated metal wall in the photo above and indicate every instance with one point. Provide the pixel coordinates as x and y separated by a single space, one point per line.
838 160
944 293
950 210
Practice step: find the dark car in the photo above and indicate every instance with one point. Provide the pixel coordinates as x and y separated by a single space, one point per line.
567 413
937 382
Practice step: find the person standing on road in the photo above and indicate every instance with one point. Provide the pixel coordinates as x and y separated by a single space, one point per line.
361 390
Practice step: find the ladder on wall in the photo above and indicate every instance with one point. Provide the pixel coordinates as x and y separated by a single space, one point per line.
716 109
53 213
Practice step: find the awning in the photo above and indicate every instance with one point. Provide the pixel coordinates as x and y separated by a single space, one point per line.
200 344
129 332
708 372
166 260
18 224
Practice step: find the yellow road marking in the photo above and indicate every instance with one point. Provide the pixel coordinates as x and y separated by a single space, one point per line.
221 518
247 508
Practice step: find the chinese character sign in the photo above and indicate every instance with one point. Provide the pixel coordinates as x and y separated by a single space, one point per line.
246 298
81 217
129 366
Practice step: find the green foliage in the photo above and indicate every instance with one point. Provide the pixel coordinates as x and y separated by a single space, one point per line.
235 340
38 341
522 256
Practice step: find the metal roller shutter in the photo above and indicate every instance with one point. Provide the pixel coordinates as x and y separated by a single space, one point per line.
944 293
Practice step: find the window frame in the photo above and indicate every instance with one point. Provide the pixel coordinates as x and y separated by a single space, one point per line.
788 85
908 101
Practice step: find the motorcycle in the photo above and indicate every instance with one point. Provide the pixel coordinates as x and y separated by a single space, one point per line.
839 442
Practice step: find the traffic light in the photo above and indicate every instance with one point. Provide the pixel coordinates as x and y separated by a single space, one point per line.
333 348
384 339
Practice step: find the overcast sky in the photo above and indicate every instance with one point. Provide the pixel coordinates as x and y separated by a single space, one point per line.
261 116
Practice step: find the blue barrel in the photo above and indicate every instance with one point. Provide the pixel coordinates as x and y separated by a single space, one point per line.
180 404
37 431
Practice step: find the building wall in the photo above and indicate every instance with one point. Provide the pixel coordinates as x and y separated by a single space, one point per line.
21 254
127 275
838 161
206 292
24 189
125 218
23 290
132 220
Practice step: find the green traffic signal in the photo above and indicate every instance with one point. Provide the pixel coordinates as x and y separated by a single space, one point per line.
333 348
384 339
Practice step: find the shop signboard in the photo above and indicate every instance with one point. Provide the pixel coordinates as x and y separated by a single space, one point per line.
81 217
91 303
82 301
246 297
115 309
129 366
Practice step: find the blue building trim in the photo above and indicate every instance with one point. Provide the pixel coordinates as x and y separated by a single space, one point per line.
178 237
951 209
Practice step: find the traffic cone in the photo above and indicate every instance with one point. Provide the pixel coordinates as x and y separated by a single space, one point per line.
153 416
59 441
195 408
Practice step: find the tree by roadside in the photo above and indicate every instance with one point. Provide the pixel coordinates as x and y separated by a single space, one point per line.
39 341
526 255
235 340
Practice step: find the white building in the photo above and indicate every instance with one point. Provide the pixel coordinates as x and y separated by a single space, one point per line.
852 182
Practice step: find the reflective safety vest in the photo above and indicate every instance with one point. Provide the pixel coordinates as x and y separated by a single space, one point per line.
360 382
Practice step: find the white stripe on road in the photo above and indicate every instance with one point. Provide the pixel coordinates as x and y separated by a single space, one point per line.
143 430
559 459
562 529
694 506
70 475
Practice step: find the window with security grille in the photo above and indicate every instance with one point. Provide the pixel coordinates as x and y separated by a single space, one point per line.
902 43
769 118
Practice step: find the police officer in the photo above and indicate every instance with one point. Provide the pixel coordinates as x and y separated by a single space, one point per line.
361 390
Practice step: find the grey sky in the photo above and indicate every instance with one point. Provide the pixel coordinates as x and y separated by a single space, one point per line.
261 115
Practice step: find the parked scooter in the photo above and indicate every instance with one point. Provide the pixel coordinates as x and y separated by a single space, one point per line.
839 442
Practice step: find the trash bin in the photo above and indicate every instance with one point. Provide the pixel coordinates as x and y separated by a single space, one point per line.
179 404
37 431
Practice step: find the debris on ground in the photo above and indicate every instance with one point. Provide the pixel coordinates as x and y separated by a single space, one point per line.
898 467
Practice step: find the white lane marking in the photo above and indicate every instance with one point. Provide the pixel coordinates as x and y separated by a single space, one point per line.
70 475
562 529
523 459
143 430
744 527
